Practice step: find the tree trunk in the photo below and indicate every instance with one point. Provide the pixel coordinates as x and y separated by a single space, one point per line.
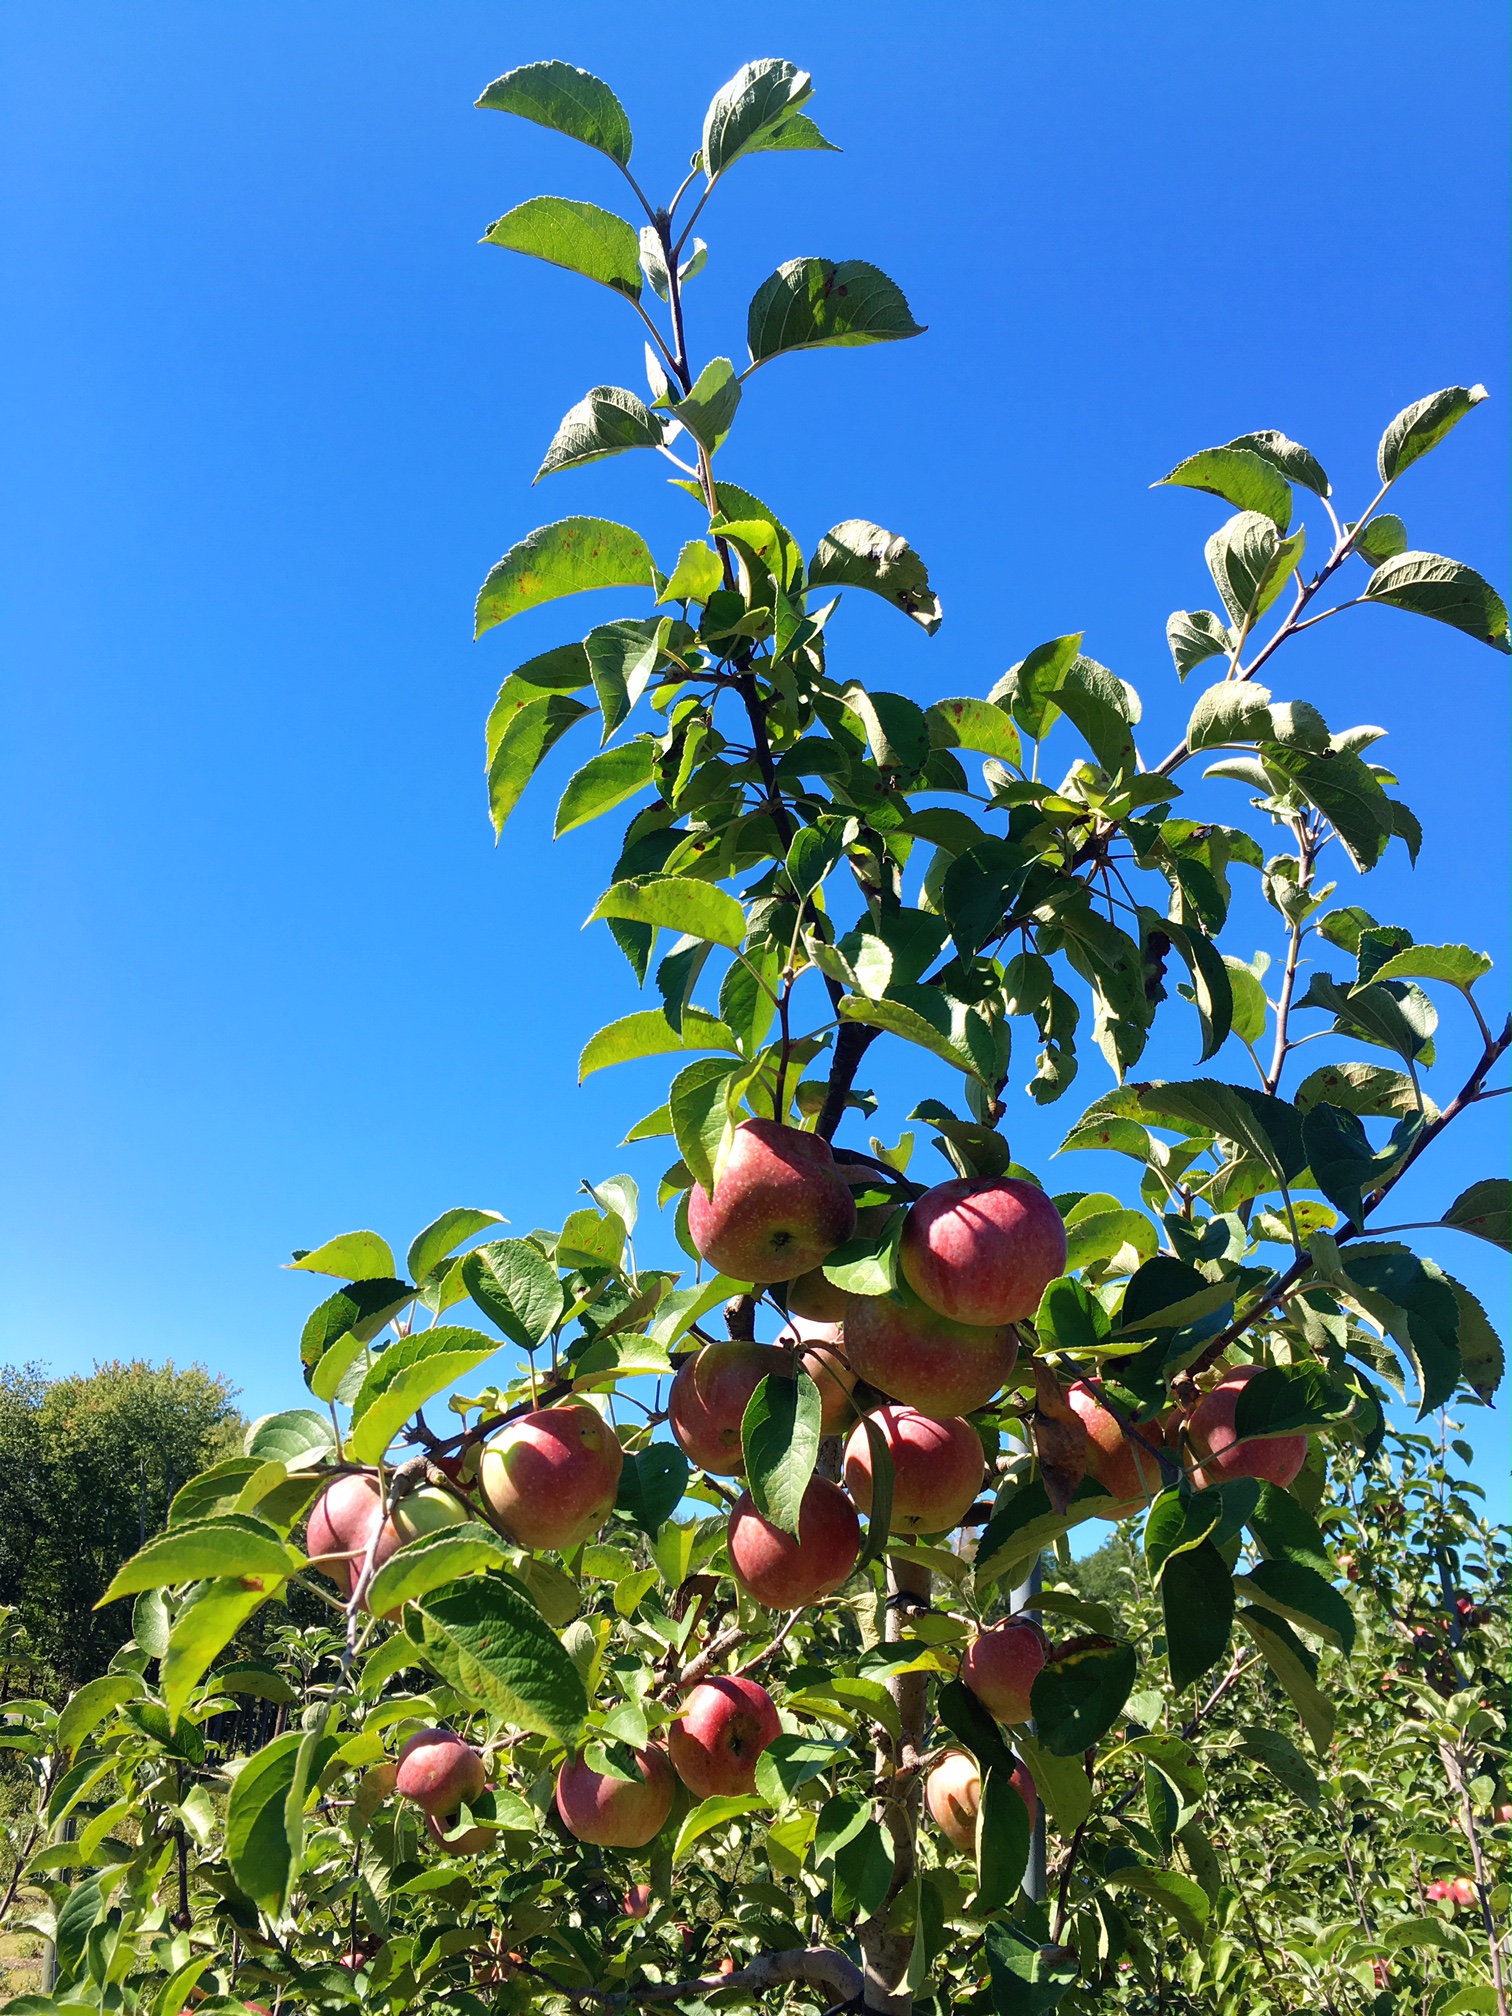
887 1941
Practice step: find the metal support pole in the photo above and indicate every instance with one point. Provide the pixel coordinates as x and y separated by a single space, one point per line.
1022 1602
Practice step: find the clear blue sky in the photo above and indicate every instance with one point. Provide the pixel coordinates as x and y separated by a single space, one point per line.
272 413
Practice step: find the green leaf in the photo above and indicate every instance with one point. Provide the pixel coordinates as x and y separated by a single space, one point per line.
527 740
883 1480
1485 1210
652 1483
779 1434
1300 1593
516 1287
591 1239
75 1921
359 1256
1232 711
1176 1895
1290 457
1381 539
1250 1005
578 236
1027 1979
1285 1762
563 670
1026 688
1250 563
1102 1235
979 890
923 1015
711 1813
296 1438
699 1103
1197 1592
1195 635
432 1562
1003 1835
263 1834
1344 1165
708 408
567 101
1177 1524
798 131
757 99
445 1235
1078 1697
676 903
1426 584
1062 1783
1413 1302
858 554
810 303
1295 1668
1070 1317
338 1330
233 1545
862 1874
605 781
566 558
1264 1127
408 1374
1248 481
1358 1088
1457 965
89 1706
791 1761
650 1034
1288 1400
697 575
974 724
1098 705
606 421
1483 1360
499 1651
1422 426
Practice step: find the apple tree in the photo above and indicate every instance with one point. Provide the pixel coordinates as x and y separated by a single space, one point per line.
687 1642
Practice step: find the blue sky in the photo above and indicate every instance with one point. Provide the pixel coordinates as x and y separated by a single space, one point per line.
272 412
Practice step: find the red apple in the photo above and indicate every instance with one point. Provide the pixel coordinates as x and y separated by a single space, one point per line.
823 1363
616 1812
439 1772
953 1794
924 1360
937 1468
1275 1459
787 1573
983 1250
637 1901
1132 1476
816 1299
551 1478
709 1397
779 1205
999 1668
341 1523
724 1726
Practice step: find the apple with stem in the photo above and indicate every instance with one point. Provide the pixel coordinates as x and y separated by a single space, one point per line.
439 1772
983 1250
724 1726
937 1468
924 1360
779 1205
616 1812
788 1572
551 1478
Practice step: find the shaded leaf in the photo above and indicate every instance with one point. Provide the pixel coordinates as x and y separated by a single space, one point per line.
407 1375
744 112
779 1435
1426 584
1248 481
1422 425
568 101
708 409
810 303
530 736
1194 636
1079 1695
606 421
498 1650
605 780
652 1482
567 558
578 236
1197 1592
858 554
676 903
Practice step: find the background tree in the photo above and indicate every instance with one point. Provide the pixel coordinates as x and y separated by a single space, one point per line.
88 1467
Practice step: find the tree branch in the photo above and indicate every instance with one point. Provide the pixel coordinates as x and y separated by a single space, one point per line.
820 1966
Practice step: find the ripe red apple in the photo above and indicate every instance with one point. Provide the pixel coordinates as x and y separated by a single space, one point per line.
937 1468
341 1522
953 1794
709 1397
724 1726
999 1668
788 1573
1132 1476
439 1771
823 1363
551 1478
637 1901
779 1206
1275 1459
616 1812
816 1299
908 1351
983 1250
